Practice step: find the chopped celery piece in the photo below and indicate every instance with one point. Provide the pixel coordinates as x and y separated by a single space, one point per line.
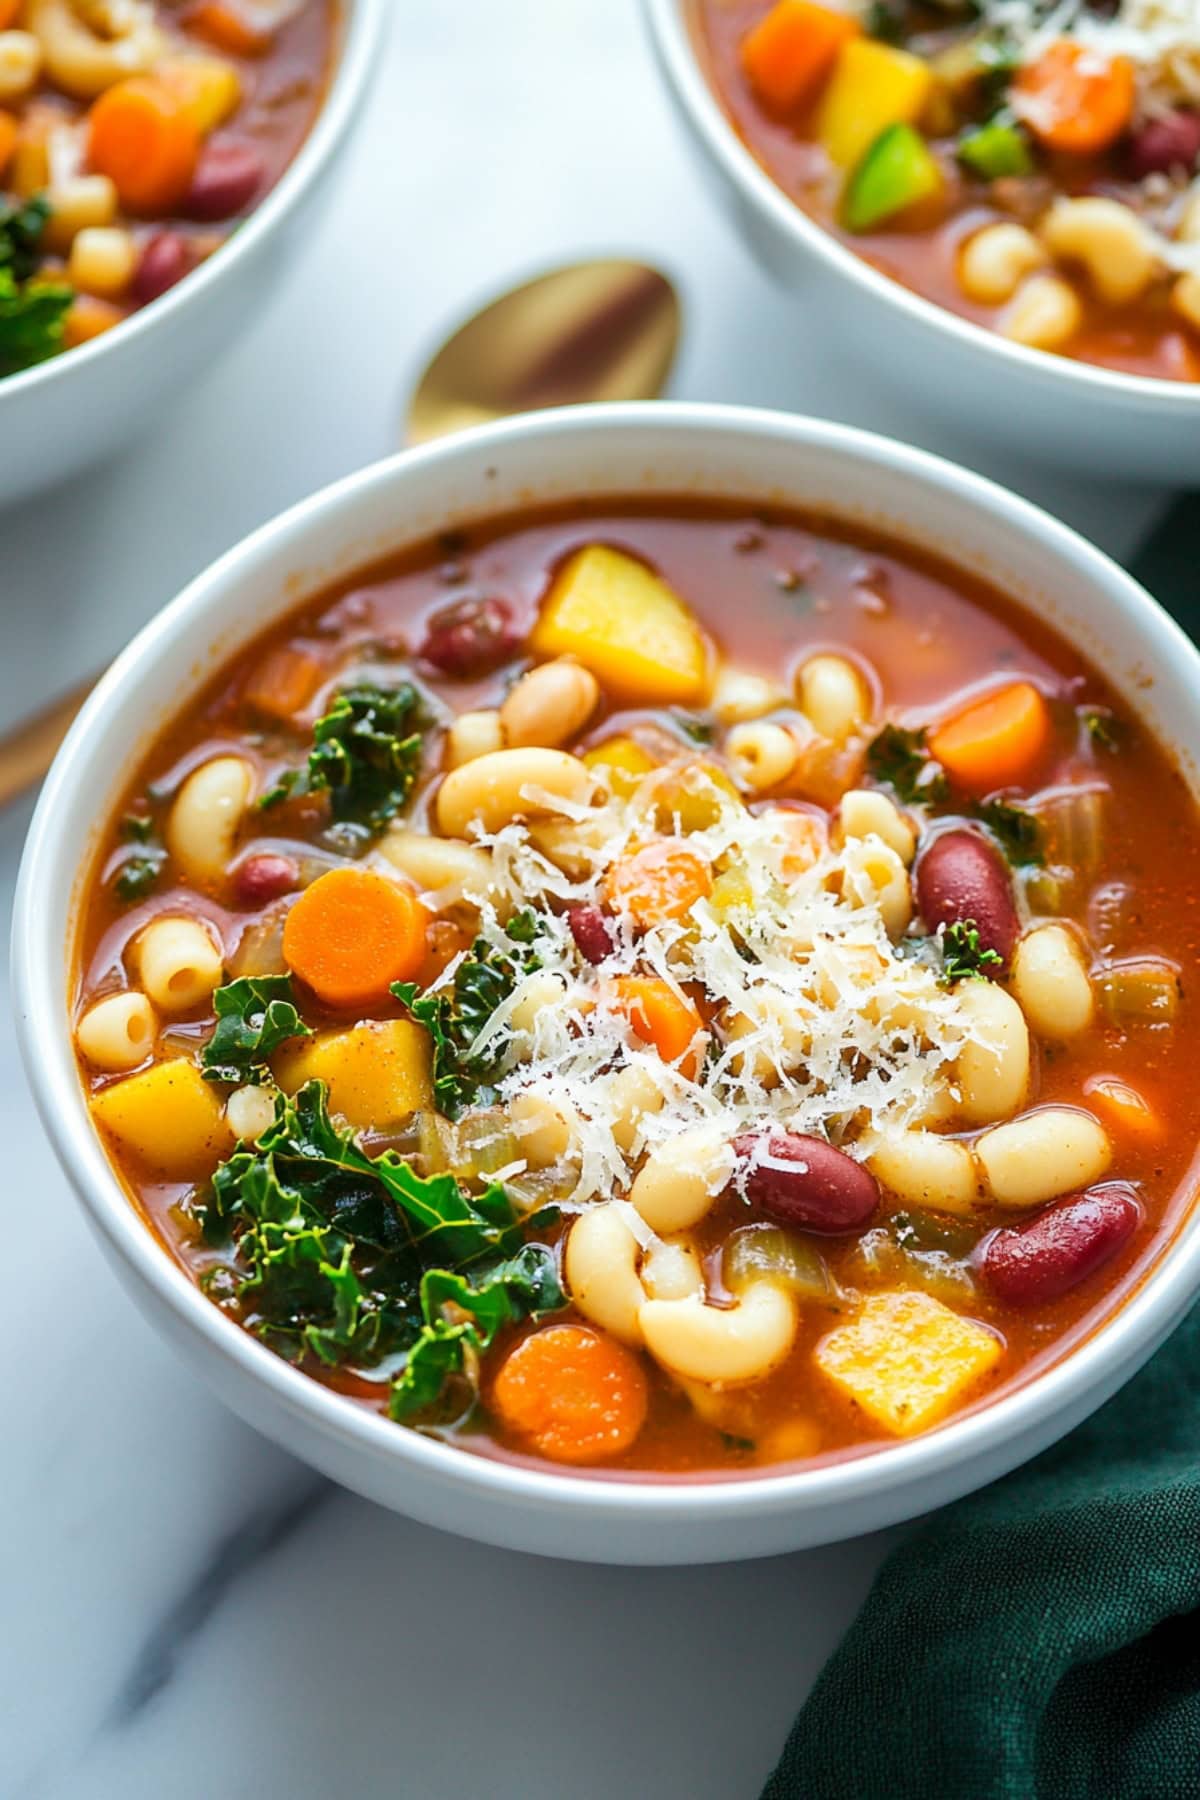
898 170
921 1230
1143 991
878 1261
998 148
1073 828
766 1253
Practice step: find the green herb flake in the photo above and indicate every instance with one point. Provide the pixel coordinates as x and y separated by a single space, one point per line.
138 874
32 316
366 755
1102 727
899 759
456 1015
255 1015
1016 830
964 958
695 729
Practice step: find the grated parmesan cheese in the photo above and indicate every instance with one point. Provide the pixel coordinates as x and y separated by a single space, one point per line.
819 1026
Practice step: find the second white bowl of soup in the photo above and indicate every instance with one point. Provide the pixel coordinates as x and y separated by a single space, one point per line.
608 1011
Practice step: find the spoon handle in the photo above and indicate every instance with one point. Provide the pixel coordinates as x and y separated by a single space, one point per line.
27 752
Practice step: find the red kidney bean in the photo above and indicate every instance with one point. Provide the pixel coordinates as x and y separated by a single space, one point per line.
1171 141
165 259
470 637
819 1189
961 877
227 178
263 878
591 931
1061 1247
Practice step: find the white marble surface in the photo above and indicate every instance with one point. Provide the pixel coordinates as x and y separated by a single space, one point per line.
186 1611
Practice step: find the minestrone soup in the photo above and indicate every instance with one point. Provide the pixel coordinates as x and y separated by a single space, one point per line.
1029 165
667 989
134 136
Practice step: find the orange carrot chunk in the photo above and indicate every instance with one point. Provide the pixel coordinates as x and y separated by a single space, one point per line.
1075 98
225 28
571 1394
8 13
142 137
997 741
9 132
663 880
1128 1110
792 51
662 1018
351 934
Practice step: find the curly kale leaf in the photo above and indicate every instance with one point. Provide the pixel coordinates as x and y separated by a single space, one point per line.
255 1015
899 759
32 316
366 755
461 1320
357 1259
455 1016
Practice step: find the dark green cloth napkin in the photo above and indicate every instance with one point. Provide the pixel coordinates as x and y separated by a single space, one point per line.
1039 1640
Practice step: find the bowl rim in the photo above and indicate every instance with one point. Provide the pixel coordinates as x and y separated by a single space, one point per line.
672 43
51 863
359 26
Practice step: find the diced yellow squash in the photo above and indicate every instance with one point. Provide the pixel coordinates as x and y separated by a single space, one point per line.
620 762
872 86
623 622
207 87
905 1359
377 1074
170 1117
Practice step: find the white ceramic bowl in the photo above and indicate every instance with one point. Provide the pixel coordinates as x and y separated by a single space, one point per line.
1049 408
63 414
663 450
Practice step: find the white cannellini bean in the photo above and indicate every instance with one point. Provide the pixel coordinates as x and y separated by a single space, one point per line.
924 1169
491 791
118 1032
473 734
730 1344
179 962
203 824
549 704
680 1179
600 1268
739 695
545 1131
833 696
993 1067
1051 982
1043 1154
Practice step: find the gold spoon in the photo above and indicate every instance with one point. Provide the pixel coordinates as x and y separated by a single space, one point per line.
604 330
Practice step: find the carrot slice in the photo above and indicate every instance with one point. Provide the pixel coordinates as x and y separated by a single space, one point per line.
1127 1109
662 1018
997 741
352 933
143 138
663 880
8 12
572 1394
791 52
226 29
283 683
1074 98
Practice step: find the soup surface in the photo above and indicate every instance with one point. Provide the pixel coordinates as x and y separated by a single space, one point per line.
134 136
672 990
1031 167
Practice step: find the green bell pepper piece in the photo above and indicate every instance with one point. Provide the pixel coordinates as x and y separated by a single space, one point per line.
998 148
898 170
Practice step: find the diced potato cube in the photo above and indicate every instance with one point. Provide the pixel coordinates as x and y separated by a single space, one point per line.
872 86
208 88
621 621
905 1359
620 762
170 1117
377 1074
